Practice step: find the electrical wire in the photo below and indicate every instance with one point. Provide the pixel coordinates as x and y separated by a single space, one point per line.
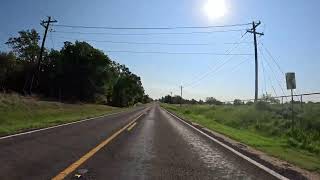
186 53
212 69
52 40
160 33
149 28
278 66
145 43
264 77
234 68
273 59
272 71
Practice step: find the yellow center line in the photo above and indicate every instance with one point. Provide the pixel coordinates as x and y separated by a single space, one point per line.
132 126
84 158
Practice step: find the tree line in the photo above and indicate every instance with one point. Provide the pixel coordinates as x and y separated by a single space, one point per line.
76 72
178 100
267 98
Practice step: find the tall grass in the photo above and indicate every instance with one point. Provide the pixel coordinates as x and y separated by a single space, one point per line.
265 126
18 113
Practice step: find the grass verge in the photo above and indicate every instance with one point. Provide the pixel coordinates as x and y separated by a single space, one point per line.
222 120
19 114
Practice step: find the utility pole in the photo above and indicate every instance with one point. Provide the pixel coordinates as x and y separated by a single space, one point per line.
36 72
254 32
181 95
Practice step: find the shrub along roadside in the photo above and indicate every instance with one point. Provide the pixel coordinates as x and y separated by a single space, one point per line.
263 127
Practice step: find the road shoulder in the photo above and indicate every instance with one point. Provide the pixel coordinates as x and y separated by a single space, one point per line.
282 167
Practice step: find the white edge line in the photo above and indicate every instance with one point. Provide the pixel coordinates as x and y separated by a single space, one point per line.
270 171
56 126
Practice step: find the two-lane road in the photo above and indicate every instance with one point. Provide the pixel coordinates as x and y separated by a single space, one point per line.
155 146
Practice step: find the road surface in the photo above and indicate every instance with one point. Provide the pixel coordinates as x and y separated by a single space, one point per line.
145 143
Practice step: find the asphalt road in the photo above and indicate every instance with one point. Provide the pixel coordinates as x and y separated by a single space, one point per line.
155 146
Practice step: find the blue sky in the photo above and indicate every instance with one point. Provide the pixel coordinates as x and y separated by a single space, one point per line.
290 26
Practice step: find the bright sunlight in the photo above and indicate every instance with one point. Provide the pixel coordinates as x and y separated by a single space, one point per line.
215 9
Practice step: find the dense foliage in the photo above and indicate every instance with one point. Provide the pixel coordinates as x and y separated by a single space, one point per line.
78 72
177 100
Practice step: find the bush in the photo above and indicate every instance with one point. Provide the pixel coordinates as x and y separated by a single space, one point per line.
187 112
100 99
262 106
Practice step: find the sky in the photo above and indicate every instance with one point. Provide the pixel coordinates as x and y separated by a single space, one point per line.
289 44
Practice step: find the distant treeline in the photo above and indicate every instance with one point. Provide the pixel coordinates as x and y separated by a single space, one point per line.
78 72
213 101
177 100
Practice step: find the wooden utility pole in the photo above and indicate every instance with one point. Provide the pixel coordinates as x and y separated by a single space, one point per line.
254 32
36 72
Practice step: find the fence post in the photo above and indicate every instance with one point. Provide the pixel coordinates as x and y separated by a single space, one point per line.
301 103
292 112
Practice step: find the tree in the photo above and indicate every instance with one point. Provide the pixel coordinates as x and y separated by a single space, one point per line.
26 48
237 102
146 99
269 99
7 67
25 45
249 103
213 101
201 101
81 71
128 88
193 101
77 72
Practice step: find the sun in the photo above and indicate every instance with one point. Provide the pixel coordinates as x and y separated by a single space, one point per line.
215 9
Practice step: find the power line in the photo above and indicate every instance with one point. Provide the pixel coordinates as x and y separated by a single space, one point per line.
264 77
165 52
276 63
215 69
267 75
218 68
160 33
273 59
52 40
233 69
147 43
150 28
273 73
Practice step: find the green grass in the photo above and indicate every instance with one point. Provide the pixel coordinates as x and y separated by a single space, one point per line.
265 129
19 113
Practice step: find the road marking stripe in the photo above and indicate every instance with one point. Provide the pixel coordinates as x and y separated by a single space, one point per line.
270 171
132 126
65 124
84 158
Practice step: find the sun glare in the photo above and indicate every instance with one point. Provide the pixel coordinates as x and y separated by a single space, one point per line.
215 9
